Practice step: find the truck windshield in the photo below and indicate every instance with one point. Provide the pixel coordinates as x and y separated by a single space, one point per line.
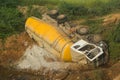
87 47
93 53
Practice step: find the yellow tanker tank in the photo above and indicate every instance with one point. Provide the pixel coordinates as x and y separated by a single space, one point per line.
38 29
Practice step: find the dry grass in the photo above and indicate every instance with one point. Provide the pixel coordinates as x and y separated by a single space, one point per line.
111 19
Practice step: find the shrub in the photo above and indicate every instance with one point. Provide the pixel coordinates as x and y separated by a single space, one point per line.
9 3
94 26
114 46
114 49
115 4
33 2
99 8
96 8
11 21
34 12
73 11
117 33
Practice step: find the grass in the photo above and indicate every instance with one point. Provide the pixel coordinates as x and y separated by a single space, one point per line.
109 33
87 3
114 50
56 2
11 22
94 26
34 12
114 46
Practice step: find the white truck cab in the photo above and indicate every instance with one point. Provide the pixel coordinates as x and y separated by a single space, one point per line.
89 50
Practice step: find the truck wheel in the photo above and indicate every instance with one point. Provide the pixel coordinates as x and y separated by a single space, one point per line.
97 38
53 13
61 19
82 30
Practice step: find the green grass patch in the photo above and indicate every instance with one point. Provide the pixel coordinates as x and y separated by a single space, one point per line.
86 3
75 11
94 26
109 35
114 50
39 2
11 20
34 12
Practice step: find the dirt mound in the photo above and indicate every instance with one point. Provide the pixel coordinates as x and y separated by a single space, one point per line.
111 19
13 47
118 77
36 58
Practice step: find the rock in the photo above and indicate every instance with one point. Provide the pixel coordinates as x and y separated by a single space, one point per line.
82 30
97 38
53 13
61 18
78 77
60 75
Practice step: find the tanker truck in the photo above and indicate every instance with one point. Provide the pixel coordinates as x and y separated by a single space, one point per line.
56 42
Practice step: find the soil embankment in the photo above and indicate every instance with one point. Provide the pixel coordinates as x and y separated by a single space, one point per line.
26 54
